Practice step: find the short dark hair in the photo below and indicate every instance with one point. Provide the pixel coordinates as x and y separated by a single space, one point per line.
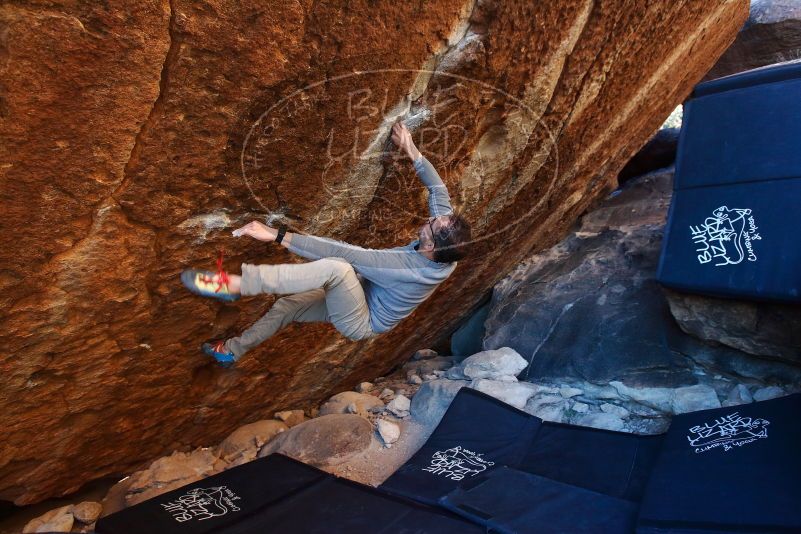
450 241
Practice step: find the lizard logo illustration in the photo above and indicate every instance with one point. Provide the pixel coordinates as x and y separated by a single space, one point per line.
202 503
726 237
456 463
728 432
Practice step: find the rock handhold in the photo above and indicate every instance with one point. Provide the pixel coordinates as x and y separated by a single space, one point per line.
339 403
324 441
389 431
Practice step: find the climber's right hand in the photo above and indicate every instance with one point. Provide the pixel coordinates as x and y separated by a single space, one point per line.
403 140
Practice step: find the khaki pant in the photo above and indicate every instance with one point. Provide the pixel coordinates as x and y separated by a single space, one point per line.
325 290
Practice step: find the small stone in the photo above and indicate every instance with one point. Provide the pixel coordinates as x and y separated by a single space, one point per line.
415 379
494 364
739 394
386 393
424 354
456 373
247 439
514 393
340 402
694 398
87 512
389 432
580 407
364 387
430 377
767 393
619 411
400 406
58 520
291 417
605 421
568 392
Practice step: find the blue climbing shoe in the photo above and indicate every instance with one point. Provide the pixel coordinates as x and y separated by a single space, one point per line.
216 349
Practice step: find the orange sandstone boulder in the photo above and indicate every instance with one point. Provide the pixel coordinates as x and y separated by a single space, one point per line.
134 136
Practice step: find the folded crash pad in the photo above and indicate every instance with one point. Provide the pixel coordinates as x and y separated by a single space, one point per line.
478 433
613 463
511 501
731 469
216 502
340 506
734 212
279 495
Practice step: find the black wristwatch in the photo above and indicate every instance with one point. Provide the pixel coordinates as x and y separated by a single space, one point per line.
281 233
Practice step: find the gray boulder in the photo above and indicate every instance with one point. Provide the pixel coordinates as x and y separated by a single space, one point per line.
759 328
771 35
324 441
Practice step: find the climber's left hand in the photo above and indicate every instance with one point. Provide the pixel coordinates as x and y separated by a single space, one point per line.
257 230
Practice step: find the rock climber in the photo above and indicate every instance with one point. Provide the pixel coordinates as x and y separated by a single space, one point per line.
391 283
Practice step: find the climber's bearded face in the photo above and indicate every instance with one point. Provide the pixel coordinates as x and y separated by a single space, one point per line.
432 225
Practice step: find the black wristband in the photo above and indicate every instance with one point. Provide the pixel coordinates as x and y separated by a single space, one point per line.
281 233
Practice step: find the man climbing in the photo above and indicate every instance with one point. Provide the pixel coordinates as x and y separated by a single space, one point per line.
394 281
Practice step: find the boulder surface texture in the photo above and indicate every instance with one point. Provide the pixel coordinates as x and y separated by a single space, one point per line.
135 135
771 35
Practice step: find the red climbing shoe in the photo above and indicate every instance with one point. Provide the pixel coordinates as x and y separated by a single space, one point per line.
202 283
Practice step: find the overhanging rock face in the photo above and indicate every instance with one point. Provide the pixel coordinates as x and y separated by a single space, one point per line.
135 137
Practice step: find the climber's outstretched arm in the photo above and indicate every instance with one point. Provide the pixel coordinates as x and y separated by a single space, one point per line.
439 202
314 248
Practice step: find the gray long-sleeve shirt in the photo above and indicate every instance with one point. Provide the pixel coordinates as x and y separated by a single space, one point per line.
397 279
